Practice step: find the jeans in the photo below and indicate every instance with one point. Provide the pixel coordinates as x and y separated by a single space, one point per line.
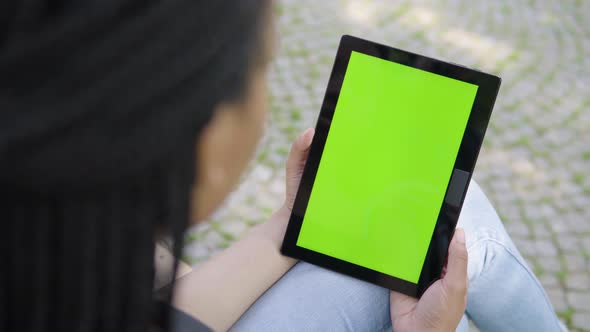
503 295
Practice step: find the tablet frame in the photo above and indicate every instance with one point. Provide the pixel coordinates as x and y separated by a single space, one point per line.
488 86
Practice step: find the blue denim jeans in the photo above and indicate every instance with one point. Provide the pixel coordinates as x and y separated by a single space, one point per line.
503 295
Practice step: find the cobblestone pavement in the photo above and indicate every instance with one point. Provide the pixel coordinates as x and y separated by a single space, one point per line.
535 164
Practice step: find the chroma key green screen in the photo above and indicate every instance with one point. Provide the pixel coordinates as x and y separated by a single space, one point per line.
386 164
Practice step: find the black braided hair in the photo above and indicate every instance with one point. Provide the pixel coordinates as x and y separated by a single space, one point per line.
101 103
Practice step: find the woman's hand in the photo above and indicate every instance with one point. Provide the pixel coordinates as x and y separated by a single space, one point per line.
276 226
295 163
442 305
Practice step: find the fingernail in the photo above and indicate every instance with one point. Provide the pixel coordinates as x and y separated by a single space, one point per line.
460 235
309 135
304 134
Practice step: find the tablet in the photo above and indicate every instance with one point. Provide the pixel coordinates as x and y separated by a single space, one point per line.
394 149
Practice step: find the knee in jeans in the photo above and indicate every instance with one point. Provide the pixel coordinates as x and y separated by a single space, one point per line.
486 251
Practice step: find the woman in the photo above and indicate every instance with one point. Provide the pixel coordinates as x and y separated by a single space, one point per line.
120 121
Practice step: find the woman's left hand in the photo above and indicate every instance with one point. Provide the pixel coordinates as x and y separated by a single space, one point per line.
295 163
277 224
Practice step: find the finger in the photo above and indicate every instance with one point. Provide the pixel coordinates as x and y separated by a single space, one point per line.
400 304
295 164
298 152
455 279
444 269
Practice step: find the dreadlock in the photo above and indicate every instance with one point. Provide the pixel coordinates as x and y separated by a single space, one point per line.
101 103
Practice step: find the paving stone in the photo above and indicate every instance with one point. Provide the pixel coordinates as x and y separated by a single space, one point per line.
234 228
262 173
518 229
561 227
581 320
578 281
549 281
213 240
277 187
545 248
541 231
576 263
526 247
579 300
550 264
510 214
197 252
570 244
557 297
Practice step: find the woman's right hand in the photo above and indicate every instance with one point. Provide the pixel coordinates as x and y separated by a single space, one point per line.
442 305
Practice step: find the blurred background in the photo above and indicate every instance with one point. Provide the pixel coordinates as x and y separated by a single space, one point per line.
535 163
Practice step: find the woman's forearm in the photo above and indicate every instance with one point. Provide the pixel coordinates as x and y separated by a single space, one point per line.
220 290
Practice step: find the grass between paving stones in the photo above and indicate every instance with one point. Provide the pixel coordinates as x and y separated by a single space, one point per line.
297 21
538 269
574 115
579 178
296 52
314 73
521 141
523 73
253 222
505 9
503 217
279 8
295 114
572 28
193 237
263 156
291 132
546 200
419 35
288 99
227 237
395 15
511 59
562 274
326 59
282 151
190 260
515 106
308 86
566 315
267 211
250 200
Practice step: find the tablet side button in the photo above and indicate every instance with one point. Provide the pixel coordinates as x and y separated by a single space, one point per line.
456 187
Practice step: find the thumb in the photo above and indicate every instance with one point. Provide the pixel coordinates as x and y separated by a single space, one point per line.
295 163
298 153
455 280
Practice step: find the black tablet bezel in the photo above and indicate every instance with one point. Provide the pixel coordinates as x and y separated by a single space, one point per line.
488 86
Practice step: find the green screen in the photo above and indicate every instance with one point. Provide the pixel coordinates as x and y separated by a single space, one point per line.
386 164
